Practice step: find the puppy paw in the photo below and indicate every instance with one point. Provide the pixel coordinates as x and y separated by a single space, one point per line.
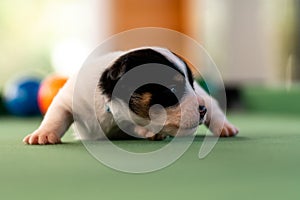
157 137
41 138
143 132
225 129
229 130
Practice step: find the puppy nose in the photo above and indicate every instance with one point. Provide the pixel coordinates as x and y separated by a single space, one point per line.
202 111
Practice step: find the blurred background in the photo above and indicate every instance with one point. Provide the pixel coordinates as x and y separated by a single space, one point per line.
255 44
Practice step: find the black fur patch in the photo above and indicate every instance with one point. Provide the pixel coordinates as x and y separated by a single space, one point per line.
166 96
190 75
189 72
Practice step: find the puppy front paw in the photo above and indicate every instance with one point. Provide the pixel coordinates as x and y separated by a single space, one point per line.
226 129
40 137
157 137
143 132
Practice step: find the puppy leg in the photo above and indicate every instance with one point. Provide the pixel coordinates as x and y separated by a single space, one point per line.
157 137
145 133
215 118
57 119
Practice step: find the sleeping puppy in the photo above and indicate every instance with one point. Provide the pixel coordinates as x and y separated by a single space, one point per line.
183 104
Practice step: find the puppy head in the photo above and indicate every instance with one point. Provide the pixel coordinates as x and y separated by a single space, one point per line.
176 96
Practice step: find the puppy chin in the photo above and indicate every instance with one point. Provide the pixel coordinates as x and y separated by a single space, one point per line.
202 121
179 132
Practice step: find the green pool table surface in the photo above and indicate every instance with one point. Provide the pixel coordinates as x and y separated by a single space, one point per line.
262 162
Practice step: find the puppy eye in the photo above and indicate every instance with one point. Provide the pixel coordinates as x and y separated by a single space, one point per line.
173 89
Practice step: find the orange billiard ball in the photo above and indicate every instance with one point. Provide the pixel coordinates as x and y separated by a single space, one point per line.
48 90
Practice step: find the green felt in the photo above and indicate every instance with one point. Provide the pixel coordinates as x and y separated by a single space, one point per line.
263 162
272 100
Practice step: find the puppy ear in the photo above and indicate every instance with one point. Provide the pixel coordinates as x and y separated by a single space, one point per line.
188 69
110 77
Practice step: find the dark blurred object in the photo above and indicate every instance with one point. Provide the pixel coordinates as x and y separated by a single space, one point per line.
234 98
2 107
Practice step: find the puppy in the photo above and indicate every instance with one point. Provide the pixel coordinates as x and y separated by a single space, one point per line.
175 108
